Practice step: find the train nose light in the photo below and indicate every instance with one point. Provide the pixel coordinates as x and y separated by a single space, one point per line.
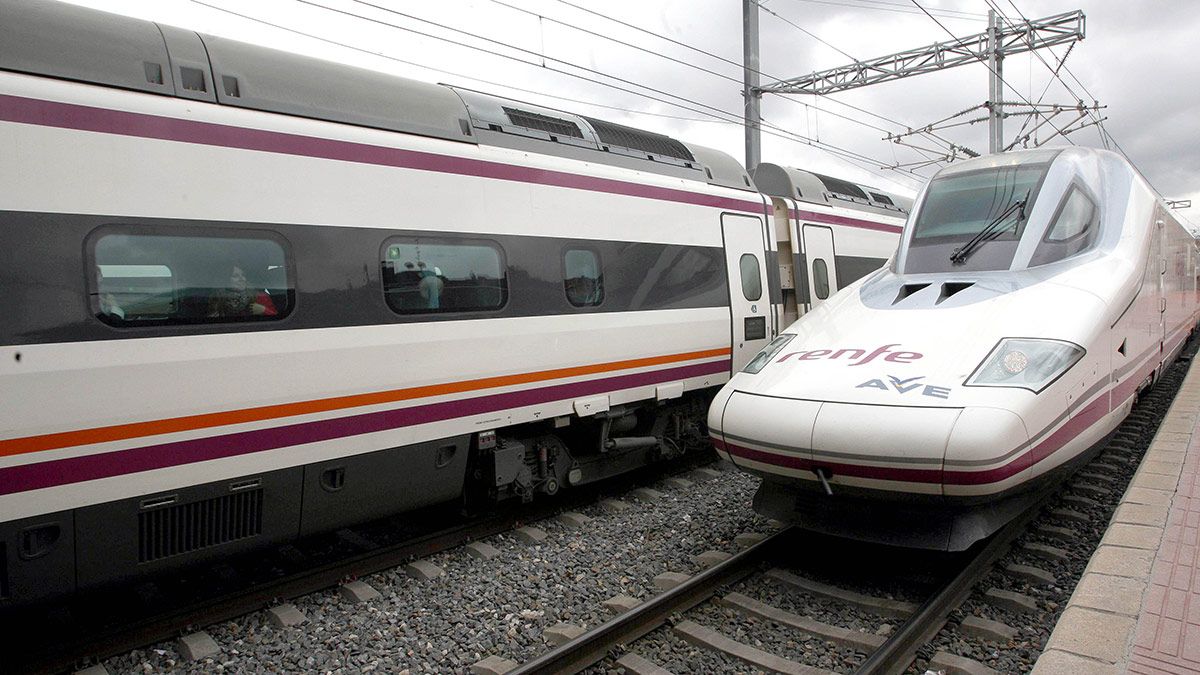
1025 363
1015 362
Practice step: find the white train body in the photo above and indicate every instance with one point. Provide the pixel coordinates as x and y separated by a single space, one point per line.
884 414
572 319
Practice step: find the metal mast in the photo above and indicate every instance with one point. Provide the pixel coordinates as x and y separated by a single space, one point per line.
753 96
995 86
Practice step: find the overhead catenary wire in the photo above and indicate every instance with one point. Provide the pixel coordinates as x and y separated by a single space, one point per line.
723 59
713 109
1095 115
419 65
610 38
942 11
800 28
899 9
807 106
931 156
779 130
682 62
346 45
716 114
733 63
1105 136
499 43
998 76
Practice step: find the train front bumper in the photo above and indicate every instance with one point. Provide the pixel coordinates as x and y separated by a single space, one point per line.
931 477
949 451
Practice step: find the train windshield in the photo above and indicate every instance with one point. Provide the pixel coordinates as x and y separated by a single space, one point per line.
972 222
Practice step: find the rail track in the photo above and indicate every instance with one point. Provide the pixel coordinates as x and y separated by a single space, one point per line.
61 636
1007 573
761 564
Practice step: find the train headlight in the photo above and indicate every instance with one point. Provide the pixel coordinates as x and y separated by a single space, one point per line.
764 357
1027 363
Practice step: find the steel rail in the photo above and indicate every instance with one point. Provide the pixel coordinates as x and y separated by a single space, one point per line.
898 652
594 645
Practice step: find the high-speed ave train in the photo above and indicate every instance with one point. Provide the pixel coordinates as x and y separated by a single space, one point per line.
1032 296
250 296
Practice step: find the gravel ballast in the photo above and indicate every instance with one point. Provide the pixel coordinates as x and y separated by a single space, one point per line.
479 608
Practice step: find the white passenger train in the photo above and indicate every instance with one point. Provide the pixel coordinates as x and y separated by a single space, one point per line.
250 296
1033 295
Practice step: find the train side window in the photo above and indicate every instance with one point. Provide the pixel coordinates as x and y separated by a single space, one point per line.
1073 219
820 278
751 280
424 275
582 279
1072 230
151 279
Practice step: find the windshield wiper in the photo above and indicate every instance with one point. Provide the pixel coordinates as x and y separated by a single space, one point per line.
990 231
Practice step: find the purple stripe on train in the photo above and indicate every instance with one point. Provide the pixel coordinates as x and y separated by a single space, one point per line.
164 455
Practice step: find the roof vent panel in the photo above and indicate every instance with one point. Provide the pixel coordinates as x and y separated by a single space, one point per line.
635 139
556 126
842 187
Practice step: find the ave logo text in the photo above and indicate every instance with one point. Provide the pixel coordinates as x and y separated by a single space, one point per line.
906 385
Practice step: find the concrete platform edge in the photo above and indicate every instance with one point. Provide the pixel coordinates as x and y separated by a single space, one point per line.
1075 639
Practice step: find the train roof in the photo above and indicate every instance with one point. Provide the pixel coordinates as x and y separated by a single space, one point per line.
516 124
815 188
76 43
1010 158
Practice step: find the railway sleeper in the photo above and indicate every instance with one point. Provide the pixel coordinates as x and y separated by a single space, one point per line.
843 637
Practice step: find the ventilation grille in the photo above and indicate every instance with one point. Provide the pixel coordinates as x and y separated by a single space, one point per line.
650 143
882 199
952 288
841 187
185 528
907 290
551 125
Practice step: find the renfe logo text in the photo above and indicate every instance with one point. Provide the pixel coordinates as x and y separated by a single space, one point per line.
857 356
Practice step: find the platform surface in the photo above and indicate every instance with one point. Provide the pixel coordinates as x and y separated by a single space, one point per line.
1137 607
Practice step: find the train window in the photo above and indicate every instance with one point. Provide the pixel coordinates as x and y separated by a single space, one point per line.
751 280
150 279
1072 230
1073 219
957 207
581 277
423 275
820 278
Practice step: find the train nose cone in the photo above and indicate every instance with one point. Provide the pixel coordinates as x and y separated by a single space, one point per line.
928 477
769 433
987 452
883 447
896 449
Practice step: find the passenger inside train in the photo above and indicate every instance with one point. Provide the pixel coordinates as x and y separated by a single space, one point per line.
238 299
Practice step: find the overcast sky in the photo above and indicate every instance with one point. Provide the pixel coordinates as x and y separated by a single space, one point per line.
1138 59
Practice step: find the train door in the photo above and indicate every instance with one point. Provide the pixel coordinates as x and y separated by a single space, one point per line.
749 300
822 266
